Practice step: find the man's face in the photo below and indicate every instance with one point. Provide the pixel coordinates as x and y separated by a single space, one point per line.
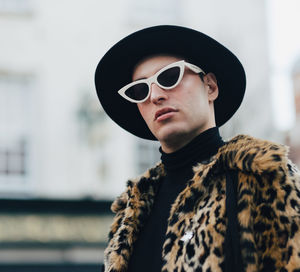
177 115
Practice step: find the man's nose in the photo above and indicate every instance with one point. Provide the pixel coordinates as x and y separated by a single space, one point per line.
157 94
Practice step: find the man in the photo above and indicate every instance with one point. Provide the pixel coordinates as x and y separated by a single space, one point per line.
209 205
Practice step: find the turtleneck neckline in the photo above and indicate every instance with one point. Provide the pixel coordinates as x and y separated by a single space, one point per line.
201 148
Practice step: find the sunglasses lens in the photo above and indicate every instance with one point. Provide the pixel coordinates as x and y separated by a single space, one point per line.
138 91
169 77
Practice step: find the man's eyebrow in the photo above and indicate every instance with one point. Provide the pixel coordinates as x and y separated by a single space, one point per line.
140 78
153 74
144 77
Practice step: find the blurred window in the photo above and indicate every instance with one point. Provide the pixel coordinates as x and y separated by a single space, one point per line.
153 12
147 155
16 7
12 160
15 124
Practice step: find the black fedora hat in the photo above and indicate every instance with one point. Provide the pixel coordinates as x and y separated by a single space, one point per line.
115 71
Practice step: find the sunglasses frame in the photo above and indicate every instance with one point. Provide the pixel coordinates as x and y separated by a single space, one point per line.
153 79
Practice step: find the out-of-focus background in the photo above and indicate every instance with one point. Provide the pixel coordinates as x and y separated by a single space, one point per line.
62 161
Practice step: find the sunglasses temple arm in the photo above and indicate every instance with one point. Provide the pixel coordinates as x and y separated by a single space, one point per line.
194 68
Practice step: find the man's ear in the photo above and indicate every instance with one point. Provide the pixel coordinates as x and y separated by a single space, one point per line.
210 81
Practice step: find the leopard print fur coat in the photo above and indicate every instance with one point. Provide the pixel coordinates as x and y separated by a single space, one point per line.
268 202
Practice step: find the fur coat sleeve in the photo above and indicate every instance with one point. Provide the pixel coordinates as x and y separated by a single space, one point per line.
268 202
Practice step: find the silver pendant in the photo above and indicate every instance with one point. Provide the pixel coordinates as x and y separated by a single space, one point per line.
187 236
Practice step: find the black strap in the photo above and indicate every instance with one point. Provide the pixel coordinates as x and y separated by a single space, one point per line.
233 258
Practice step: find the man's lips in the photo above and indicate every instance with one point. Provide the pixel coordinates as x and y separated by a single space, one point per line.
164 111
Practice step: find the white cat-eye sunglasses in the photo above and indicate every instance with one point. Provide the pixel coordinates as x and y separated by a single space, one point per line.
166 78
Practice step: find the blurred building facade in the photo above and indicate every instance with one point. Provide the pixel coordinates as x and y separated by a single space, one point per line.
55 140
293 136
53 235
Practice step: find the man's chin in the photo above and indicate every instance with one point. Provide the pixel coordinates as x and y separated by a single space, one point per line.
170 134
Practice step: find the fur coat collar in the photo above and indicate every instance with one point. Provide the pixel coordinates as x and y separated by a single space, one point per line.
268 212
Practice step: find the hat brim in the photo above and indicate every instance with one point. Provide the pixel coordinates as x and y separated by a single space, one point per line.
115 71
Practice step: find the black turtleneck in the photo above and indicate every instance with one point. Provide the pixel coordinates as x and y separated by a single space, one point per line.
147 250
